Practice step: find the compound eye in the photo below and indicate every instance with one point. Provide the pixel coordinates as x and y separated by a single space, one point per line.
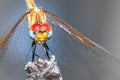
35 27
46 27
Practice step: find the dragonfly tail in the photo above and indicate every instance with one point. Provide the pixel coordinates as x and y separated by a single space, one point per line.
31 4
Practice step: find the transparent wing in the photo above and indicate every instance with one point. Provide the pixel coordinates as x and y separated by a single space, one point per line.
73 32
99 58
4 39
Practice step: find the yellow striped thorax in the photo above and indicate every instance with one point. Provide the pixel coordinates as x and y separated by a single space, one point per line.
36 15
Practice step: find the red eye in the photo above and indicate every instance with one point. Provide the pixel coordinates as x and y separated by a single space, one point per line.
46 26
35 27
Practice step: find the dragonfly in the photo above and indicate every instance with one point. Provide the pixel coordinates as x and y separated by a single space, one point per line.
40 31
92 58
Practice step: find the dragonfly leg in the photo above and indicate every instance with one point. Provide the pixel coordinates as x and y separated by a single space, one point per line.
46 48
33 50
